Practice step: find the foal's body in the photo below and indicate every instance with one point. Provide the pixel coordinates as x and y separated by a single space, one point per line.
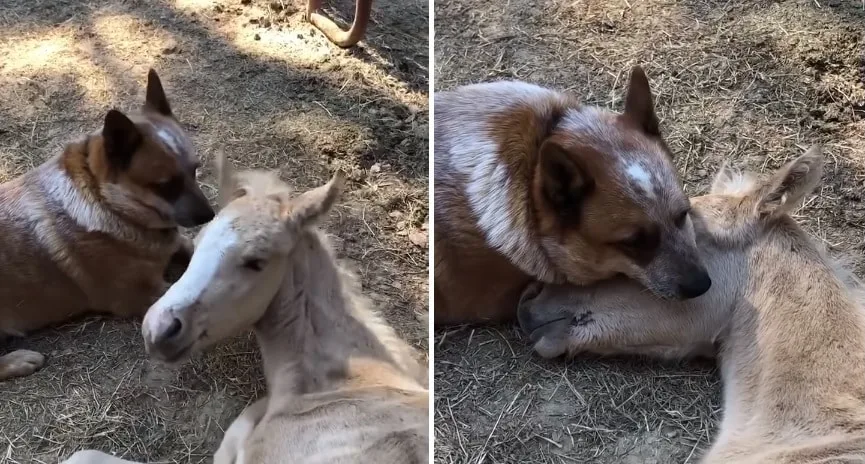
342 387
790 325
335 391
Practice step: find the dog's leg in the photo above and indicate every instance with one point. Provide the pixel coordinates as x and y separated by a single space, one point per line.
95 457
615 319
20 363
237 433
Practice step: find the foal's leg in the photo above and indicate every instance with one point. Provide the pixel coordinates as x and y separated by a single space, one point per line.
238 432
95 457
618 317
20 363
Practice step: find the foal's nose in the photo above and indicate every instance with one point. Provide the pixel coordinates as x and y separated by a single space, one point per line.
170 332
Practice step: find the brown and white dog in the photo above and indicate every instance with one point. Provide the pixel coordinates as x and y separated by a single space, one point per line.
531 185
93 229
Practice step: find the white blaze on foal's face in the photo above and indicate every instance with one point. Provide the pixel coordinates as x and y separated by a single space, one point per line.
233 275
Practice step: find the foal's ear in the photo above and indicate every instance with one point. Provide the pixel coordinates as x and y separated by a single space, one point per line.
228 188
787 188
310 207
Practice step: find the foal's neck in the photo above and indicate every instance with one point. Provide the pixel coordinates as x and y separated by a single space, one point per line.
311 330
797 340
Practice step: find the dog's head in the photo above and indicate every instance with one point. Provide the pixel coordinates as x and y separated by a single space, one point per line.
146 167
608 200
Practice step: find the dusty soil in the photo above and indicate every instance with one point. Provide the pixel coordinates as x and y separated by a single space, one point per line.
250 77
752 83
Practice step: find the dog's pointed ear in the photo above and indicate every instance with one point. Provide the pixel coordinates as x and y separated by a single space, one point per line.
563 183
228 188
156 99
120 138
639 104
788 187
310 207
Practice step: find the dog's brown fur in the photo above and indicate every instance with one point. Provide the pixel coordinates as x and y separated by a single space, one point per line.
531 185
790 323
93 229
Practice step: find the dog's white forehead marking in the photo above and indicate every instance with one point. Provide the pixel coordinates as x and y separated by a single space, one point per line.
170 138
642 177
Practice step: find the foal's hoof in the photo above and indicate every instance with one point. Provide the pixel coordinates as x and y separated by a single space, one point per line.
20 363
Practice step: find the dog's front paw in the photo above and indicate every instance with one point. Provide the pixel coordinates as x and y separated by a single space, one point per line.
20 363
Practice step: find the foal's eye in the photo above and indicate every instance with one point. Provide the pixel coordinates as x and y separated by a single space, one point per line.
254 264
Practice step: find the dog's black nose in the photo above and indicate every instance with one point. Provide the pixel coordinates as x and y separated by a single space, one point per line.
197 218
204 216
695 285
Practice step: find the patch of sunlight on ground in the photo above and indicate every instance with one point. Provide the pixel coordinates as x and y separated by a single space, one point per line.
196 5
286 44
55 53
38 54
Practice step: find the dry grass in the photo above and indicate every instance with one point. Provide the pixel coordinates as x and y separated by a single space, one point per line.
752 83
288 100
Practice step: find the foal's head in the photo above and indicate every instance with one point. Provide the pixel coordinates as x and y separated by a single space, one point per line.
238 264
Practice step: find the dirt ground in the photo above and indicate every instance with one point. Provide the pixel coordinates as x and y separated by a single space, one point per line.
748 82
250 77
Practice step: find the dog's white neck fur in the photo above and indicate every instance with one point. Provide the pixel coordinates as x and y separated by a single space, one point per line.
62 190
475 155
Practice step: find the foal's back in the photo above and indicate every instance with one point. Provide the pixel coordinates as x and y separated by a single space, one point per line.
376 425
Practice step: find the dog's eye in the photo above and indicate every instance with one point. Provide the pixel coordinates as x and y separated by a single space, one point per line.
169 190
253 264
681 218
637 240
